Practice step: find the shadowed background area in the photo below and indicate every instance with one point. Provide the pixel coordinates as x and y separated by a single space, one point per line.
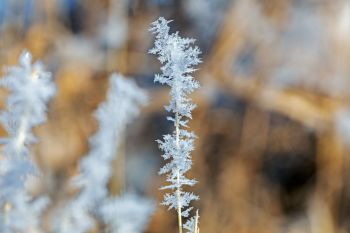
273 116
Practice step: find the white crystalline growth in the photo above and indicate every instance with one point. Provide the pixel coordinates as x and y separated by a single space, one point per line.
127 213
121 107
178 59
31 88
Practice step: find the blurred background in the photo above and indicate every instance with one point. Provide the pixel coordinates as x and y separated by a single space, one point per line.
273 116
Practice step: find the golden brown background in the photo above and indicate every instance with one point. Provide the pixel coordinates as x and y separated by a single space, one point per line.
273 118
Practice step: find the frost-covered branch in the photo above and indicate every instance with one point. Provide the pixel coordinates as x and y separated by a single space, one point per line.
178 59
121 107
31 88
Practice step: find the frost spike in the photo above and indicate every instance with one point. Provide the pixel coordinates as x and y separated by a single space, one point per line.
178 59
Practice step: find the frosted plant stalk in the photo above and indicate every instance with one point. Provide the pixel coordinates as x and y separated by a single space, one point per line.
178 59
31 88
122 105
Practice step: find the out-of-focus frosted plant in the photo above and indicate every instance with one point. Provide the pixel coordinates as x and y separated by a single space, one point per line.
25 214
114 33
31 88
127 213
122 106
178 59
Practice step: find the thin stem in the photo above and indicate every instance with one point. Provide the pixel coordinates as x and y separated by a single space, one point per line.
179 217
196 229
178 194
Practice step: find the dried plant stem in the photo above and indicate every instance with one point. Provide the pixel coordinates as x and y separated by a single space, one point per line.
178 191
196 229
179 217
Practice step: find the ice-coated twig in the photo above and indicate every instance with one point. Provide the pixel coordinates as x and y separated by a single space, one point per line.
178 59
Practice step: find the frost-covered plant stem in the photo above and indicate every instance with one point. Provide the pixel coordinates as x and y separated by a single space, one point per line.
178 58
122 105
31 88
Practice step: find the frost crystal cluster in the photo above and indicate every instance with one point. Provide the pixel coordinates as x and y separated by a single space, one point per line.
121 106
31 88
178 59
192 224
